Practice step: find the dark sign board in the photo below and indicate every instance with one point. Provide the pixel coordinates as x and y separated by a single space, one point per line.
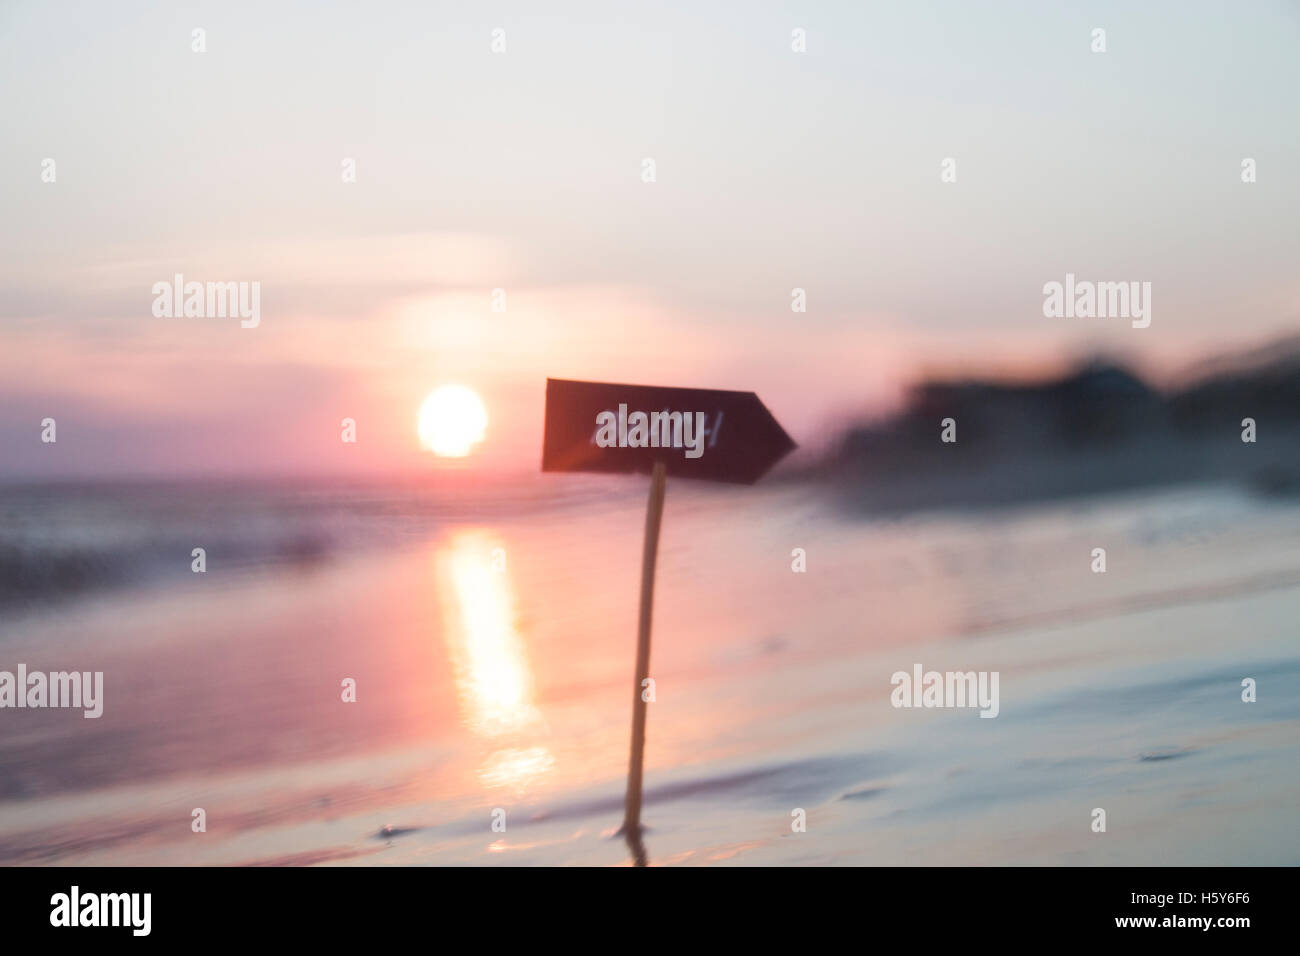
705 433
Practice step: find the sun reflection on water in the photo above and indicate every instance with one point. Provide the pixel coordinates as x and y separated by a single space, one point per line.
494 679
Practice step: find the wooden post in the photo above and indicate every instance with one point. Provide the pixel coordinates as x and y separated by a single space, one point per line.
632 805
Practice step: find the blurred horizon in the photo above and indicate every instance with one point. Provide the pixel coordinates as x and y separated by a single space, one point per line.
821 446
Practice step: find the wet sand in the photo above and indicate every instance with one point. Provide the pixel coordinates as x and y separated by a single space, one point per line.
493 662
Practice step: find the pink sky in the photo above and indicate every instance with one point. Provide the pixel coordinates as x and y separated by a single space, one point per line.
523 170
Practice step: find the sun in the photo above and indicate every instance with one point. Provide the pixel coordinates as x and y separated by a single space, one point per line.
452 421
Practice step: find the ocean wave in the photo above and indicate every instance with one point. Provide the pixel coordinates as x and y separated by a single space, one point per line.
34 572
58 542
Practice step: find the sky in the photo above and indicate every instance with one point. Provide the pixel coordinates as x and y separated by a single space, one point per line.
523 170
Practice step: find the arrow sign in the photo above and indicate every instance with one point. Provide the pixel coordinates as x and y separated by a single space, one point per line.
706 433
692 432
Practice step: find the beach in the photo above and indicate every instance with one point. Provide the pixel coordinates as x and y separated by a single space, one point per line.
490 640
